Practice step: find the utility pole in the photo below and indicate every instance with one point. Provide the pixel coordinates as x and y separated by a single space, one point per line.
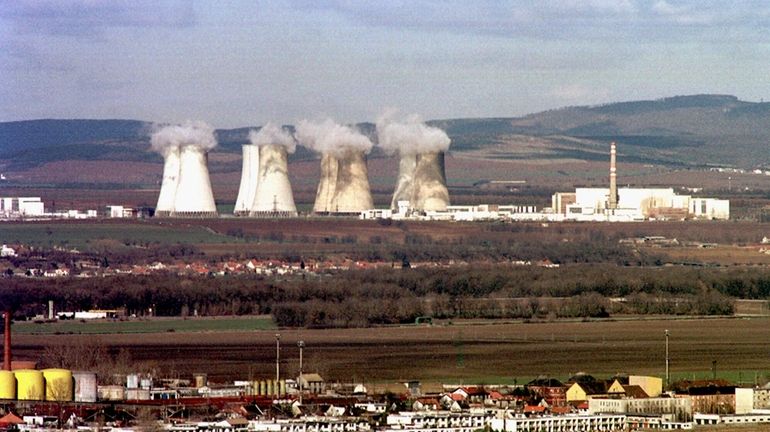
277 357
300 344
667 362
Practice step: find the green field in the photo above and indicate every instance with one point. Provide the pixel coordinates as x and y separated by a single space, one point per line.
96 236
145 326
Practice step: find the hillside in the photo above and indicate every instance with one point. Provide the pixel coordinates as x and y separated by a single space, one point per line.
677 132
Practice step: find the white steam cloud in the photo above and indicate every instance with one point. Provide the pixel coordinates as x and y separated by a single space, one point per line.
329 137
272 134
189 133
410 135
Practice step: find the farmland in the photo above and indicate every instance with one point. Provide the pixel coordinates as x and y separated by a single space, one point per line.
478 351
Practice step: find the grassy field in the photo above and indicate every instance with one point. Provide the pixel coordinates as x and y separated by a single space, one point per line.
482 352
145 326
95 236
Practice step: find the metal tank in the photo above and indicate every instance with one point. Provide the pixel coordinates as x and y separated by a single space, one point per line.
85 386
7 385
200 379
58 385
138 394
30 384
132 381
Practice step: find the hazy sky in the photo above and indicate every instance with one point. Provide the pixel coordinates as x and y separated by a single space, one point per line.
239 63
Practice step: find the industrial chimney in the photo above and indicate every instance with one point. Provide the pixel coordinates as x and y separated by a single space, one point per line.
249 179
273 197
169 183
194 197
430 191
613 199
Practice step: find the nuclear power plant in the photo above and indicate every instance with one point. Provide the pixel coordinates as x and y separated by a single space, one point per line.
265 189
343 188
186 188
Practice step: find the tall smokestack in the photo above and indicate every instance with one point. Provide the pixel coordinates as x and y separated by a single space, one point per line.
194 197
430 191
7 341
273 196
249 180
169 184
613 202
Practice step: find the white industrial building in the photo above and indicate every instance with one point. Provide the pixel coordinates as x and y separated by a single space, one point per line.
21 206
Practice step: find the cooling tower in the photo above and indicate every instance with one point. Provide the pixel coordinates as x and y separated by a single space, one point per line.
405 183
249 178
352 193
430 191
194 197
169 184
273 197
324 198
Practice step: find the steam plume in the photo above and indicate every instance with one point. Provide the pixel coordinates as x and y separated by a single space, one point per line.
272 134
410 135
189 133
328 137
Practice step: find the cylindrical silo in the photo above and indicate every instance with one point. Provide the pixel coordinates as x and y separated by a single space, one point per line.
326 185
430 191
262 388
274 196
352 194
249 179
58 385
194 197
169 183
30 384
85 386
282 388
270 387
405 182
7 385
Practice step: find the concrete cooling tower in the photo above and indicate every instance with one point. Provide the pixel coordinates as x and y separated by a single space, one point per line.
405 182
344 186
324 197
194 197
273 197
430 192
169 183
249 180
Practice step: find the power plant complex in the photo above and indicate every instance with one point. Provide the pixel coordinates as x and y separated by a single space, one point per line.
343 189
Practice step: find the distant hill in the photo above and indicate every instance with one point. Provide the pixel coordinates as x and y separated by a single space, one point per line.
682 130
